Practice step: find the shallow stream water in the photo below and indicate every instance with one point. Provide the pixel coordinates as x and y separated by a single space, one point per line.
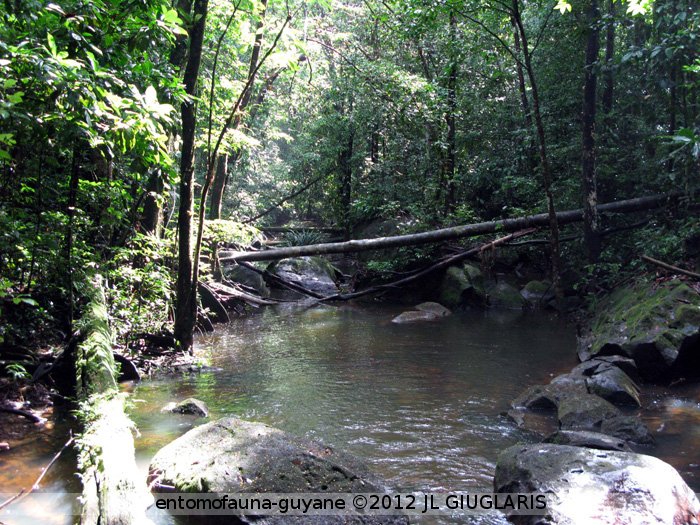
420 403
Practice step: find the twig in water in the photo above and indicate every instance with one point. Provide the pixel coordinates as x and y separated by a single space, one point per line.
25 492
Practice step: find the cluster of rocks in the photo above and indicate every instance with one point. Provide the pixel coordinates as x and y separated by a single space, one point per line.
465 285
316 274
639 334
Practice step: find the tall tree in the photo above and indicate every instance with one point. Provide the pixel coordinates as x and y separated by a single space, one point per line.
186 299
588 114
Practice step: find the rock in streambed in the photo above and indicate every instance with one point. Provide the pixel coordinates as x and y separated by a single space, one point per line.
235 456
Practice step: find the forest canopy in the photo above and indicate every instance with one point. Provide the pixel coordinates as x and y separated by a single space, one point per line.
137 136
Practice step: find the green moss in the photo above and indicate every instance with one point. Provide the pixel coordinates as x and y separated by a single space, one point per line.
644 312
538 287
96 370
457 281
687 314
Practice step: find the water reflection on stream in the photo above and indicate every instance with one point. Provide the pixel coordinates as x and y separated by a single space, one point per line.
420 403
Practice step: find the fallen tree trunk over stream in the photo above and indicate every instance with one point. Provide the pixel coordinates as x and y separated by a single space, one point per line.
469 230
114 491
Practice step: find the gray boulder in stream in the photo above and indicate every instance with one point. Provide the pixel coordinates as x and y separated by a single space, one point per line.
313 273
235 456
596 486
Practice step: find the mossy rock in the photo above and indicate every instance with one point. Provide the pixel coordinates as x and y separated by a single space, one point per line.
504 295
656 325
462 285
235 456
538 293
247 277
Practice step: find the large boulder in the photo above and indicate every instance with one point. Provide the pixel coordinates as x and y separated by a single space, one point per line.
629 428
608 380
658 326
462 285
504 295
596 486
584 412
548 397
313 273
247 277
235 456
538 293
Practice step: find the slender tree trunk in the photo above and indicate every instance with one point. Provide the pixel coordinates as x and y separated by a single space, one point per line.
186 307
220 178
68 244
451 159
217 188
591 225
152 221
345 167
524 102
609 90
542 150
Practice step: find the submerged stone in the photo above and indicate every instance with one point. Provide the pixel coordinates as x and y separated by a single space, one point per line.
189 406
414 316
538 293
504 295
433 308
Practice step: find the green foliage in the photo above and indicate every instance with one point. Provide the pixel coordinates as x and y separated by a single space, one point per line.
139 294
303 237
229 233
16 372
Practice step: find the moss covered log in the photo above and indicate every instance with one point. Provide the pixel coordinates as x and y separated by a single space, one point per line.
114 492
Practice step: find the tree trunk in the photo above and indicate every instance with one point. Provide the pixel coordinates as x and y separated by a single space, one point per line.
451 158
186 307
609 91
445 234
220 178
152 220
591 223
524 102
345 169
217 188
544 160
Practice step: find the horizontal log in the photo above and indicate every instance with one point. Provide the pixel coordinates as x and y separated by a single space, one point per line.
444 234
114 492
